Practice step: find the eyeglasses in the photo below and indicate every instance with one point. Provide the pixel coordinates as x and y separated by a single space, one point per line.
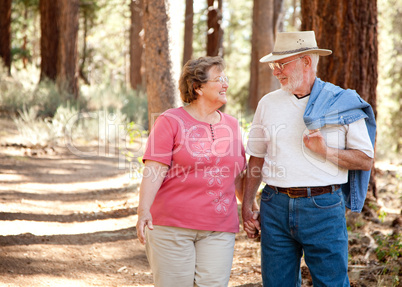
221 79
281 66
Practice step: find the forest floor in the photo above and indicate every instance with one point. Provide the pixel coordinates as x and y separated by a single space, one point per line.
69 220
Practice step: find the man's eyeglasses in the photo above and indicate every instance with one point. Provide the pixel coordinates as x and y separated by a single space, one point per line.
281 66
221 79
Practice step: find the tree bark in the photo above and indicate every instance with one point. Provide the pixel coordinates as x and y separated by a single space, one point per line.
84 51
49 41
67 70
349 29
25 38
188 32
5 33
215 32
136 44
278 16
161 89
264 28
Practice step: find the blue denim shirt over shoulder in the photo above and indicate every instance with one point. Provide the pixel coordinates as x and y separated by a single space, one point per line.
331 105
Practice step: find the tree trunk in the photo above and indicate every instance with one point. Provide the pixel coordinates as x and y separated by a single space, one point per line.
264 27
49 41
188 32
215 32
161 89
67 70
349 29
84 52
294 14
25 38
278 16
5 33
136 44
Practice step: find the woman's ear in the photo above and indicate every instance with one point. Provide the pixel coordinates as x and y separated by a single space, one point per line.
198 91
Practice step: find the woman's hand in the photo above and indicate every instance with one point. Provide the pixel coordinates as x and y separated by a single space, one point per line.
251 223
144 220
154 173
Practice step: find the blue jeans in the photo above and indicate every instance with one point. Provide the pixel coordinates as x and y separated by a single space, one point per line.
315 226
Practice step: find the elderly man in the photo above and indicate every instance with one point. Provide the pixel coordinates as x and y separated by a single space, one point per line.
311 143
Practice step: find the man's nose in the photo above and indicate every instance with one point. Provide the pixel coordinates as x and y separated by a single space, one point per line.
276 71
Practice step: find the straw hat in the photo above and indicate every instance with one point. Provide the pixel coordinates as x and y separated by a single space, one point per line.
288 44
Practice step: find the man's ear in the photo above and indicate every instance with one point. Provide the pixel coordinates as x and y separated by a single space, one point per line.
307 61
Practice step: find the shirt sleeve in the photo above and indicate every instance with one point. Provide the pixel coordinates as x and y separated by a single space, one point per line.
257 139
358 138
160 142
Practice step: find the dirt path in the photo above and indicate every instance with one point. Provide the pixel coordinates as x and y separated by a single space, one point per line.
68 220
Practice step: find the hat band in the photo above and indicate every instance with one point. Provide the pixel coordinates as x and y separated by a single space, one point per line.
294 51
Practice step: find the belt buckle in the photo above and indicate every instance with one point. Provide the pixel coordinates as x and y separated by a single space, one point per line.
291 196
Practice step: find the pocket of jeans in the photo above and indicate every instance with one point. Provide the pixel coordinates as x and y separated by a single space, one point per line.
267 194
328 200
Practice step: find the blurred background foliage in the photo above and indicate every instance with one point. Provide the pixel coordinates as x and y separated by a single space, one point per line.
389 90
104 63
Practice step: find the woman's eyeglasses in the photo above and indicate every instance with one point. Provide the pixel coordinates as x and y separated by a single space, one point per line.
221 79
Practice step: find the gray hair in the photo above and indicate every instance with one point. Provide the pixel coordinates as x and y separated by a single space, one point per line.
314 61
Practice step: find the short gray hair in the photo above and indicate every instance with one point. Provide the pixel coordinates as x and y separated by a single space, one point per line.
314 61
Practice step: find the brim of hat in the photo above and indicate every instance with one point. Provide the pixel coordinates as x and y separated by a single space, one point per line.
273 58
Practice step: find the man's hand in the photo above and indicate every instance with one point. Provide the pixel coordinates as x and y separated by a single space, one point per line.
315 142
251 223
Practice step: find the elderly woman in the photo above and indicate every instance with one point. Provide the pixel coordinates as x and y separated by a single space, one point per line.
193 162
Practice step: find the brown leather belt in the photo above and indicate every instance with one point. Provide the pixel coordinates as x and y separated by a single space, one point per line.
295 192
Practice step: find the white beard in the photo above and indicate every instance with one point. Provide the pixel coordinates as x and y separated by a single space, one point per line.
295 79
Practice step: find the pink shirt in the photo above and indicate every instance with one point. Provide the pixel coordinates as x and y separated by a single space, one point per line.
198 191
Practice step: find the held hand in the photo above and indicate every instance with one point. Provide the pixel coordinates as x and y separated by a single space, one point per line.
315 142
251 223
143 221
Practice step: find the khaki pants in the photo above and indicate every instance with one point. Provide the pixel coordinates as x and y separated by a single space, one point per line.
181 257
